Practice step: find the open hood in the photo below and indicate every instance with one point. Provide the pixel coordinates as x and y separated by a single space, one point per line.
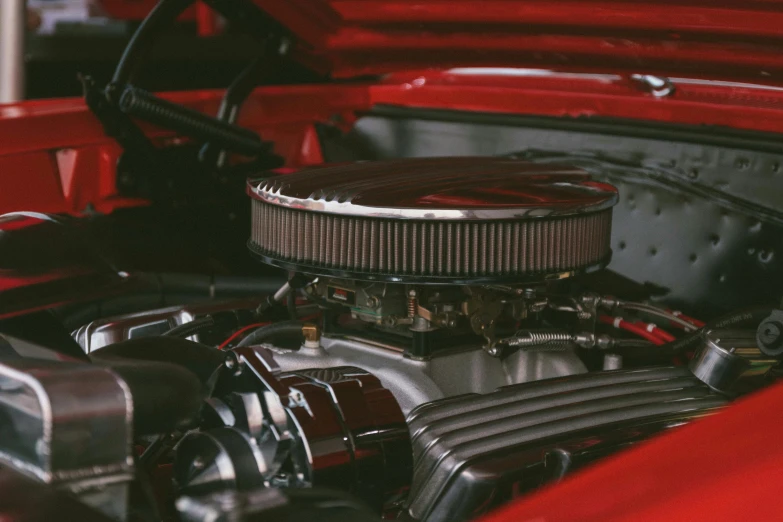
727 40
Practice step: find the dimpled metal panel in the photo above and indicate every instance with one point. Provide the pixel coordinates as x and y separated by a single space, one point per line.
437 219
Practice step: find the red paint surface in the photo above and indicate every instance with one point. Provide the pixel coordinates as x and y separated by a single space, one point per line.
310 20
728 467
727 17
54 156
206 20
729 40
638 328
735 106
725 40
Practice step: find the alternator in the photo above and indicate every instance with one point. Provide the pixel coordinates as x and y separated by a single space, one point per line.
337 427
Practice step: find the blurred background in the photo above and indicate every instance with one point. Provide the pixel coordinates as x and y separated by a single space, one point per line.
44 44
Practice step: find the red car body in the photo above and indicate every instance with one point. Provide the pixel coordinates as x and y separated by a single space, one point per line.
573 59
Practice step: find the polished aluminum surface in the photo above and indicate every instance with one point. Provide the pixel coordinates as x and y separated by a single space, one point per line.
231 506
69 425
613 361
470 450
334 427
417 381
727 356
373 427
110 330
222 459
439 188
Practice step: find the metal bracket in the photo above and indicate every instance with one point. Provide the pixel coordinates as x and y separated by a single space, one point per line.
141 156
658 86
116 124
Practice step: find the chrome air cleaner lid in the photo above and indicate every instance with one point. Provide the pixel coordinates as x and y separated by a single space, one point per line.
433 220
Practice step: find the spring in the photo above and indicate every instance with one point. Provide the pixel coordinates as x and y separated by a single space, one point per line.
413 303
542 338
141 104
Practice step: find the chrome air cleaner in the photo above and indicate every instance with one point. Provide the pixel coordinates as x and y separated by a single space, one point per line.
434 220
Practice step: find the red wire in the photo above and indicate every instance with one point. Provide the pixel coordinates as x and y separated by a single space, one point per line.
655 330
633 328
694 322
238 333
641 332
256 325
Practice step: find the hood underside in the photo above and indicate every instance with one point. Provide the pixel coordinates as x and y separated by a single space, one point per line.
697 38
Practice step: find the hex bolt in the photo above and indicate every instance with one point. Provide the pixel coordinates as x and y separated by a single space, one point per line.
233 364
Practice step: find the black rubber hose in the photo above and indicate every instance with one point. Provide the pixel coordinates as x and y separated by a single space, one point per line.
265 333
166 396
640 352
191 328
234 97
161 16
291 305
752 316
621 344
197 358
167 289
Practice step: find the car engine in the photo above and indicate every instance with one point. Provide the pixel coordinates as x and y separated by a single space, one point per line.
446 340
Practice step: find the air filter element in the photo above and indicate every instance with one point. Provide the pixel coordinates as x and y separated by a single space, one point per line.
437 220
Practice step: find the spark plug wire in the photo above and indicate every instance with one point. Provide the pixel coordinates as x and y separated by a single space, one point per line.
694 322
656 330
239 332
622 324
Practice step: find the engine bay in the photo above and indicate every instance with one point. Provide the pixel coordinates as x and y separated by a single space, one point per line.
447 338
425 263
